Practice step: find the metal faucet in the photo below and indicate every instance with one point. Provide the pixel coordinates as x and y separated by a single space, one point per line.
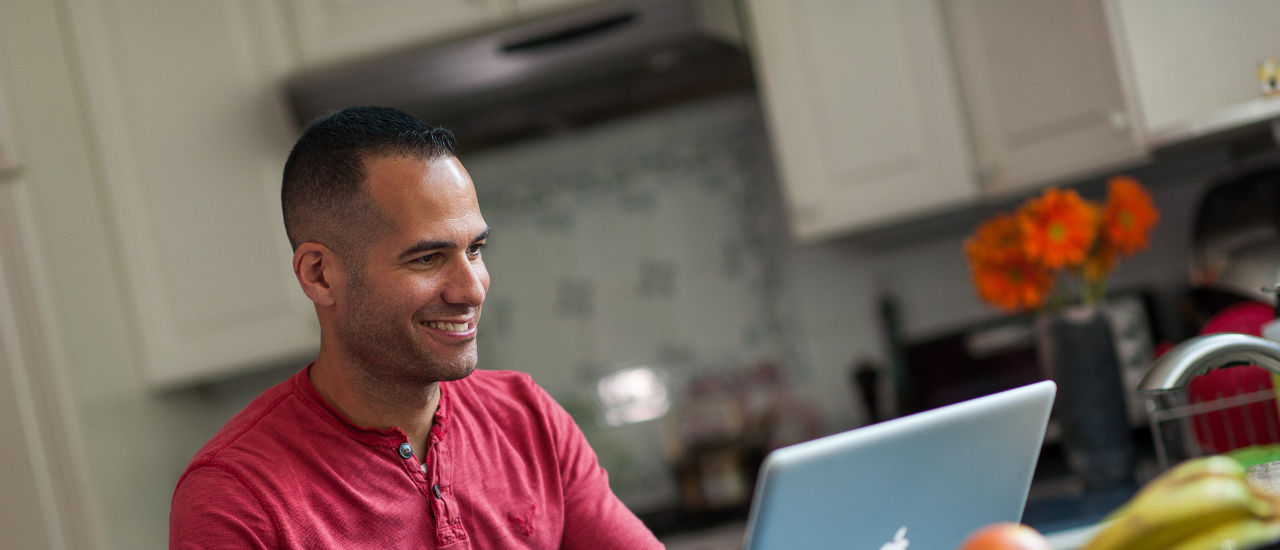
1175 369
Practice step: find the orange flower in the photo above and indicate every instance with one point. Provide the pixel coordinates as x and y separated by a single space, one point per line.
1002 273
1012 285
1059 228
1129 215
996 239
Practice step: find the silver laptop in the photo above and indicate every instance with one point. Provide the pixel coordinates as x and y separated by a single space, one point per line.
926 480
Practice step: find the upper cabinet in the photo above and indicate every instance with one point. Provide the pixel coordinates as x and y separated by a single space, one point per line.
864 117
880 109
1195 64
1043 92
190 134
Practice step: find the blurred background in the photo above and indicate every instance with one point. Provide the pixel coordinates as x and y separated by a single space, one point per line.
718 226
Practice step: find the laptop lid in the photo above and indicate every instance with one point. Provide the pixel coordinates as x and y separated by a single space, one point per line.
927 480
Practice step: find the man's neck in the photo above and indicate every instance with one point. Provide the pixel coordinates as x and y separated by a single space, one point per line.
378 404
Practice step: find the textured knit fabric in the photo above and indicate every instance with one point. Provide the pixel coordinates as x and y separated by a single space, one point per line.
506 467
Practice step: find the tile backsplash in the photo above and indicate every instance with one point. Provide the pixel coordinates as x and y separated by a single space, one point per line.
646 241
654 240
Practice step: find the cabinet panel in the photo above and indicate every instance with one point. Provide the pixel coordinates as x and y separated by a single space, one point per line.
862 111
1195 64
1043 92
191 135
328 31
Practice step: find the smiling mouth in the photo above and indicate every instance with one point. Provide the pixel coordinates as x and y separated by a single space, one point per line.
448 326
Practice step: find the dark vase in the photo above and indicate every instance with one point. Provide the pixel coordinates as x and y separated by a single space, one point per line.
1077 352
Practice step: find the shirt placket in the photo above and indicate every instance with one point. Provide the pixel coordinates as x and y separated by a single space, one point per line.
449 527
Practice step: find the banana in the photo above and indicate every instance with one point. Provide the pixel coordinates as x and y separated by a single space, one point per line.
1159 518
1244 533
1213 465
1209 465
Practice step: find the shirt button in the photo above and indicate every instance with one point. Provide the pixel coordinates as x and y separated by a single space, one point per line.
406 451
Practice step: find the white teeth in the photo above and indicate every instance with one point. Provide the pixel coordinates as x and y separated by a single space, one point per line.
445 325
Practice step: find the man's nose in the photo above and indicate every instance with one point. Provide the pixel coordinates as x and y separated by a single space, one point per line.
468 283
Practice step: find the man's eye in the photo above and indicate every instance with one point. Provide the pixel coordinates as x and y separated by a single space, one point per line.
425 260
475 249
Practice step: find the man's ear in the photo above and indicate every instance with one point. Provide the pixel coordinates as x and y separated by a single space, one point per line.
318 270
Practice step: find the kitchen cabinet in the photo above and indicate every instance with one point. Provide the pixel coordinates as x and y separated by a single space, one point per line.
336 30
1194 64
863 111
1042 90
190 135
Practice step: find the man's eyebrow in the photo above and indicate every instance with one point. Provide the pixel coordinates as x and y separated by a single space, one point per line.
429 245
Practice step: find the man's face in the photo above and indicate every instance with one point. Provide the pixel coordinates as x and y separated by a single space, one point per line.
410 312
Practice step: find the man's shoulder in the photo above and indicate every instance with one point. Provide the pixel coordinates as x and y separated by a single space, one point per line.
252 426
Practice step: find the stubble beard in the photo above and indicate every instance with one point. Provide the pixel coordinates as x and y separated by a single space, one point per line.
388 351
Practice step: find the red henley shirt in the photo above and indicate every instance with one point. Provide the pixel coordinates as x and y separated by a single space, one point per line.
506 467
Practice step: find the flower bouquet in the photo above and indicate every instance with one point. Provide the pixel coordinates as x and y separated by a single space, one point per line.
1058 249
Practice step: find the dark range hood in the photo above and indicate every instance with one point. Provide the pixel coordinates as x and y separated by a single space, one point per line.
546 75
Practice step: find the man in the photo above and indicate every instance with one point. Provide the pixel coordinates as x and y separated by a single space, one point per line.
391 438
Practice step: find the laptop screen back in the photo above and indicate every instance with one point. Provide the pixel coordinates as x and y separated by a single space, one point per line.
927 480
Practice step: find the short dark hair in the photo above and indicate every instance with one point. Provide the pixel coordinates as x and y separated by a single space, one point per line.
323 195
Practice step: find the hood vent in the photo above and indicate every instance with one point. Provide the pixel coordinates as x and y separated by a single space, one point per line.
546 75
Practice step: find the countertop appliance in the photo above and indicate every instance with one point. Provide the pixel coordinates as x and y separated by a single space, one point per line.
1236 234
547 74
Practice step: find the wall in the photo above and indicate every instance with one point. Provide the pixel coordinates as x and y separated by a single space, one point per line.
633 251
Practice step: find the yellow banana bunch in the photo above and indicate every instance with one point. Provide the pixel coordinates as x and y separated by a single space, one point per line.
1200 504
1214 465
1233 535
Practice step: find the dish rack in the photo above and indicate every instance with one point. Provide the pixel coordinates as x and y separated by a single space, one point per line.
1245 424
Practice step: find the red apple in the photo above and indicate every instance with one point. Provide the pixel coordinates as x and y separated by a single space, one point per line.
1005 536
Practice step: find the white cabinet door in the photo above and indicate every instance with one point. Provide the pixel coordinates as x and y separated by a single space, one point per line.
329 31
191 134
863 111
1043 91
1194 63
